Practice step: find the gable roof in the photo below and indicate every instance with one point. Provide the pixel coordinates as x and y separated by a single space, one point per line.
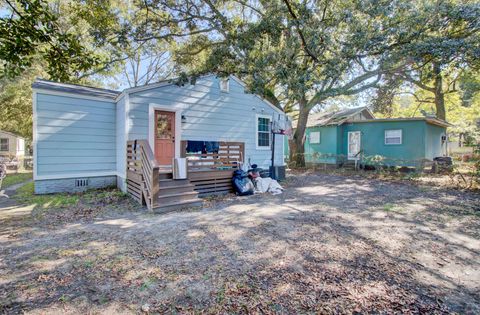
342 116
428 120
171 81
116 95
75 88
11 134
338 117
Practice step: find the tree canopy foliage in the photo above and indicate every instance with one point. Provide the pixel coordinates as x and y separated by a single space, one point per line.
303 53
299 55
31 31
68 41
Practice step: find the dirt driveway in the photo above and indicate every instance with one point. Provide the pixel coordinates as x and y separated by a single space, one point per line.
330 244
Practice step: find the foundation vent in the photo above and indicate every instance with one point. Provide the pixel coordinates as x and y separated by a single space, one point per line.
81 182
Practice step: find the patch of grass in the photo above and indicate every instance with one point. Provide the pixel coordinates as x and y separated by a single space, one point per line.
88 264
220 295
105 196
411 176
13 179
64 298
388 207
26 195
148 283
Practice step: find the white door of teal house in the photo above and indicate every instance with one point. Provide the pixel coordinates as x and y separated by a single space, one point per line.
353 145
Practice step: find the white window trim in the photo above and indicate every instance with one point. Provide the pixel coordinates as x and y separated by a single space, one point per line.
319 136
257 116
228 85
401 137
8 145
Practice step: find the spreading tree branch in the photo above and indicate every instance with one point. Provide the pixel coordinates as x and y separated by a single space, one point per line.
299 31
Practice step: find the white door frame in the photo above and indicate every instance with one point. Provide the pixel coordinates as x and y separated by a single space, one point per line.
177 109
359 145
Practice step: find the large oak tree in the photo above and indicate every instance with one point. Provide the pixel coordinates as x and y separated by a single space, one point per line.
302 53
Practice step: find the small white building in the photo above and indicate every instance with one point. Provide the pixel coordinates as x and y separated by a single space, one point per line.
11 145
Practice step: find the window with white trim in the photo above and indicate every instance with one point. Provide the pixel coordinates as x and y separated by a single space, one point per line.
315 137
263 132
224 85
393 136
4 144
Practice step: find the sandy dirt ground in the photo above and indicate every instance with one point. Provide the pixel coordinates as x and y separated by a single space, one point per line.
329 244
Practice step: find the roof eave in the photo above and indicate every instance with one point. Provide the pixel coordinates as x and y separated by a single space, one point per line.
438 122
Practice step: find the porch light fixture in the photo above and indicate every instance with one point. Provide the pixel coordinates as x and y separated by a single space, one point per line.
184 119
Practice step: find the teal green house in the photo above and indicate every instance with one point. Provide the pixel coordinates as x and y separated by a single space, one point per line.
355 134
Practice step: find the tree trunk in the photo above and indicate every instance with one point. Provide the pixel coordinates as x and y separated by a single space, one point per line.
439 95
297 145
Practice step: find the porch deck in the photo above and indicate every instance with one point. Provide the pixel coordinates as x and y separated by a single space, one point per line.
211 173
153 185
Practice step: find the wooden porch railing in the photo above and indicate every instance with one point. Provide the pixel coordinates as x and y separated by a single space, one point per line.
211 173
142 173
229 155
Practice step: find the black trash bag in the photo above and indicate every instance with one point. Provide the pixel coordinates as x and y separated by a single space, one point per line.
242 184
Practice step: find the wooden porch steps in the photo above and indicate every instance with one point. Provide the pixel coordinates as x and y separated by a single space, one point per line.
175 194
152 184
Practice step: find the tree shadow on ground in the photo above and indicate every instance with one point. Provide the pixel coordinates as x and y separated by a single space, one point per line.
328 244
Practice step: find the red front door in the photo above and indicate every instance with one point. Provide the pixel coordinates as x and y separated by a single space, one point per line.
164 137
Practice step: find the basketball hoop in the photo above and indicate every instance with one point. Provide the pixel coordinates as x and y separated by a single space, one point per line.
282 127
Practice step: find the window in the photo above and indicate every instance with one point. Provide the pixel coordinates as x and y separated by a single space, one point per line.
263 132
315 137
224 85
4 144
393 136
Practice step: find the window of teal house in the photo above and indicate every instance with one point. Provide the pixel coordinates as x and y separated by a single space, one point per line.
4 144
393 136
263 132
315 137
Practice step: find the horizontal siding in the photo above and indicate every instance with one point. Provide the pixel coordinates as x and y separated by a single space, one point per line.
52 122
70 137
78 109
77 131
372 141
71 153
71 101
82 145
54 160
77 168
75 116
74 135
212 115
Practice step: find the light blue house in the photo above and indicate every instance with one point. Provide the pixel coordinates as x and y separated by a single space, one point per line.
80 133
355 134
